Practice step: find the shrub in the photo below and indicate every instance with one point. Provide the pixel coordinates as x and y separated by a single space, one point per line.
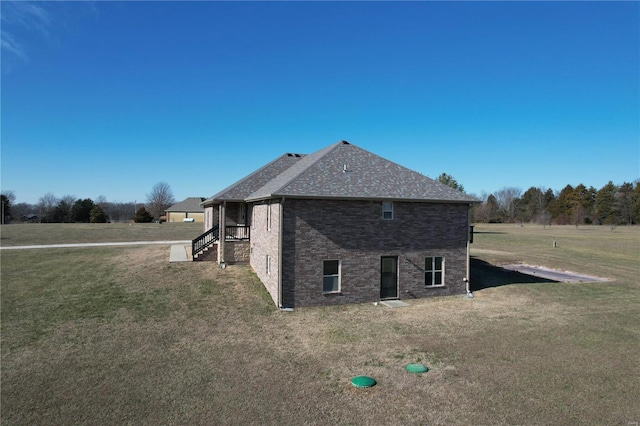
142 216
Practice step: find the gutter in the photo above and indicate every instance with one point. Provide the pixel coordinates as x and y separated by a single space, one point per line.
348 198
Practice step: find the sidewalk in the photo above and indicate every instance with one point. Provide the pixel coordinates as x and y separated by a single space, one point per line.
130 243
180 253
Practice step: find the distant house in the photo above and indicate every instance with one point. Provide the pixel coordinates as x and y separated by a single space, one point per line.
30 217
341 225
188 210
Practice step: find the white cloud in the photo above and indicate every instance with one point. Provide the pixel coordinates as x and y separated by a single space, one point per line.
19 20
11 46
25 23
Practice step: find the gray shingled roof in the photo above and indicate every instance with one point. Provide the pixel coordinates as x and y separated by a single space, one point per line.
367 176
249 184
191 204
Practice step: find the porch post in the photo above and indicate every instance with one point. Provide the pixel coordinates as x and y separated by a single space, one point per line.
222 231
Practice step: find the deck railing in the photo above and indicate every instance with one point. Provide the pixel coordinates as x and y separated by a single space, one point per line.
209 238
237 233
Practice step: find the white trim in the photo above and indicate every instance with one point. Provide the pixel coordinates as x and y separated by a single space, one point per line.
269 215
433 271
281 223
268 265
339 275
385 210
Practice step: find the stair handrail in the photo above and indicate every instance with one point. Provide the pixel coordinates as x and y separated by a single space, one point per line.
201 242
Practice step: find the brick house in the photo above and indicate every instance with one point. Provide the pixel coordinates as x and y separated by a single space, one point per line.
341 225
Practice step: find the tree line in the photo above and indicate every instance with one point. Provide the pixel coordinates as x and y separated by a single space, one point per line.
610 205
68 209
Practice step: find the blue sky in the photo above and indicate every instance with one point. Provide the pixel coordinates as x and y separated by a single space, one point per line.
109 98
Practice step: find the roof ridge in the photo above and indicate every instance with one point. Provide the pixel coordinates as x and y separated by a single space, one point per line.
326 150
252 174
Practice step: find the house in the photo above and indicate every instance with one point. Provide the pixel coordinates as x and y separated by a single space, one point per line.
341 225
188 210
30 217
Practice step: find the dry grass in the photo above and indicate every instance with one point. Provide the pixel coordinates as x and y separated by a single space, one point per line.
119 335
72 233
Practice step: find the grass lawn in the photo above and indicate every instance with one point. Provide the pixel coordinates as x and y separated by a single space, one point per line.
112 335
71 233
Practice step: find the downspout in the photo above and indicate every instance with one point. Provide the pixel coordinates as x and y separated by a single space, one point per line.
222 233
467 278
281 222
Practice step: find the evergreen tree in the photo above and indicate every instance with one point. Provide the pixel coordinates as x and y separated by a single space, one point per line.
97 215
604 205
562 208
450 181
530 205
81 211
6 208
142 216
586 199
624 203
63 211
636 203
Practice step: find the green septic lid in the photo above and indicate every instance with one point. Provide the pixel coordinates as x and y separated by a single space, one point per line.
416 368
363 382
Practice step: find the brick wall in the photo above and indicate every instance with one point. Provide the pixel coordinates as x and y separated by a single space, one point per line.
265 242
234 252
208 218
355 233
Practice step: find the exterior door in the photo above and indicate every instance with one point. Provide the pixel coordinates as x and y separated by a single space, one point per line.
389 277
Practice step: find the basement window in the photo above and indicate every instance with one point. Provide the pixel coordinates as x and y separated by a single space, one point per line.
331 276
434 271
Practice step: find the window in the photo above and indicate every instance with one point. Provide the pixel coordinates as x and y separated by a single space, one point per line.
387 210
269 216
268 265
434 271
331 276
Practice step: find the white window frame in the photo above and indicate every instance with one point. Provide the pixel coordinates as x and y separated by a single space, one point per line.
387 210
430 267
269 216
268 265
338 275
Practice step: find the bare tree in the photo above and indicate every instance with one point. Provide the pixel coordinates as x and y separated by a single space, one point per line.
62 212
22 209
46 204
579 215
120 212
9 195
544 218
104 205
160 199
507 199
